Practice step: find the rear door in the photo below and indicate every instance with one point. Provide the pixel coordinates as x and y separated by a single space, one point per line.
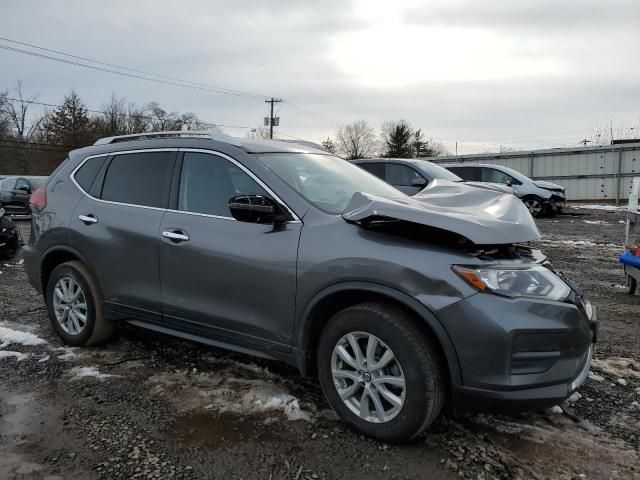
116 226
221 277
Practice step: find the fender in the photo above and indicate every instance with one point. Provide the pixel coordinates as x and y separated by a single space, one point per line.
304 323
67 249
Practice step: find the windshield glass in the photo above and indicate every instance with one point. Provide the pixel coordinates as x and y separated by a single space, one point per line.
326 181
433 171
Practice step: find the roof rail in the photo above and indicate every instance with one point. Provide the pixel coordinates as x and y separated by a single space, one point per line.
220 137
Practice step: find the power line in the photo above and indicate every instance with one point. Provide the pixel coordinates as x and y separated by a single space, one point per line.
153 77
223 90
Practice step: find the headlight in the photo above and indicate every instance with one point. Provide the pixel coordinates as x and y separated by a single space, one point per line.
535 281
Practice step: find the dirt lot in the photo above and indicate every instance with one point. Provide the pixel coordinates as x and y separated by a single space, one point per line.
149 406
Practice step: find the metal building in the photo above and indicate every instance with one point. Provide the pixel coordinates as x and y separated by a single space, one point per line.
588 173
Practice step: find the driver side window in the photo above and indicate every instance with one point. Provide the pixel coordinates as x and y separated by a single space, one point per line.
402 175
493 175
208 182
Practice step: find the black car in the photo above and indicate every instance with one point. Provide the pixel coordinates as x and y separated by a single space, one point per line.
15 193
9 236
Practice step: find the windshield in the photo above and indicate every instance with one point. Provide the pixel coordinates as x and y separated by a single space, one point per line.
433 171
326 181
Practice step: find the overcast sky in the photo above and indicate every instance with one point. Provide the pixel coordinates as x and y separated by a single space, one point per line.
525 73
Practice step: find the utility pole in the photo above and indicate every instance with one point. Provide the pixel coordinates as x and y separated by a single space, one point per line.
271 118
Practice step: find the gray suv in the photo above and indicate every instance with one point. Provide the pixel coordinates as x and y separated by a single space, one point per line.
401 306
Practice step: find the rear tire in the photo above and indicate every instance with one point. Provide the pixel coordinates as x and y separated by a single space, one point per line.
404 396
71 295
631 285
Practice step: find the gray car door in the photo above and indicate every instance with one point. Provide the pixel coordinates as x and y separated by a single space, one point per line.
221 277
115 227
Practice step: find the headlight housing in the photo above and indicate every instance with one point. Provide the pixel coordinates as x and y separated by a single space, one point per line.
534 282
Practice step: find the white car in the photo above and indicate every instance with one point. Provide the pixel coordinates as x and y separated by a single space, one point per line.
540 197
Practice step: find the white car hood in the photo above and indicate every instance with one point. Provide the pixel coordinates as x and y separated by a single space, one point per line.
484 216
548 185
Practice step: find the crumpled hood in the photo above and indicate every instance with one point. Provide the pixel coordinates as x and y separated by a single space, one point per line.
548 185
484 216
496 187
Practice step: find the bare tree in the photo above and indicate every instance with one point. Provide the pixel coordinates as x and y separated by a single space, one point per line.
356 140
160 120
19 125
136 120
113 118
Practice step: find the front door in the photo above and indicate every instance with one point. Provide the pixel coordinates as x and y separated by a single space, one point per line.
221 277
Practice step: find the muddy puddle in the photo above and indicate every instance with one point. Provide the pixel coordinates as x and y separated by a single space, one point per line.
219 430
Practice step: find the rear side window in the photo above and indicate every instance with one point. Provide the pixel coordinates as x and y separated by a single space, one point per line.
87 173
208 182
7 184
469 174
376 168
139 179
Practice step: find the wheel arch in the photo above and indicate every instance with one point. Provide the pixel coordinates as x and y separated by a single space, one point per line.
336 297
56 256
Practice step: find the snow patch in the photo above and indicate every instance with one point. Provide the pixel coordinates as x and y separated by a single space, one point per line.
17 355
608 208
229 390
580 243
618 367
44 359
556 410
595 378
596 222
81 372
9 336
68 356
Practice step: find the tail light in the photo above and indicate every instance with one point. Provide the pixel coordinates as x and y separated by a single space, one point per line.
38 199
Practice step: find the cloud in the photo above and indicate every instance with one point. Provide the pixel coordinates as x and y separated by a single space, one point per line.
459 69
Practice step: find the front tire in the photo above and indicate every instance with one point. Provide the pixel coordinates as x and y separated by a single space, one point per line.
74 304
535 206
380 372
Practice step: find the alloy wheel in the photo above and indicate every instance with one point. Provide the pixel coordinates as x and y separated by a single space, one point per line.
534 206
368 377
70 305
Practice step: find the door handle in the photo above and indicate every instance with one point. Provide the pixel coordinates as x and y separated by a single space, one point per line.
175 235
89 218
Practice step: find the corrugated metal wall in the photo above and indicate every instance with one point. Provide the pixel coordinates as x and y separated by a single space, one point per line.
590 173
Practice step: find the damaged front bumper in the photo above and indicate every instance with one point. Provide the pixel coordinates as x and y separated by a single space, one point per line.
525 353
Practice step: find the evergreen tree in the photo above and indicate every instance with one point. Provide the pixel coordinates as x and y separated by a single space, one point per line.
397 139
329 146
70 124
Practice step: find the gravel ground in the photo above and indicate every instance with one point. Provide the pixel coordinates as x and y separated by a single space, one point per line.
150 406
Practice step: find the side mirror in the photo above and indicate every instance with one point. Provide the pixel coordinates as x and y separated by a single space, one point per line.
509 182
24 188
418 182
256 209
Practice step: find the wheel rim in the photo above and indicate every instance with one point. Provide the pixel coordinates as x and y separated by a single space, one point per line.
368 377
70 305
534 206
